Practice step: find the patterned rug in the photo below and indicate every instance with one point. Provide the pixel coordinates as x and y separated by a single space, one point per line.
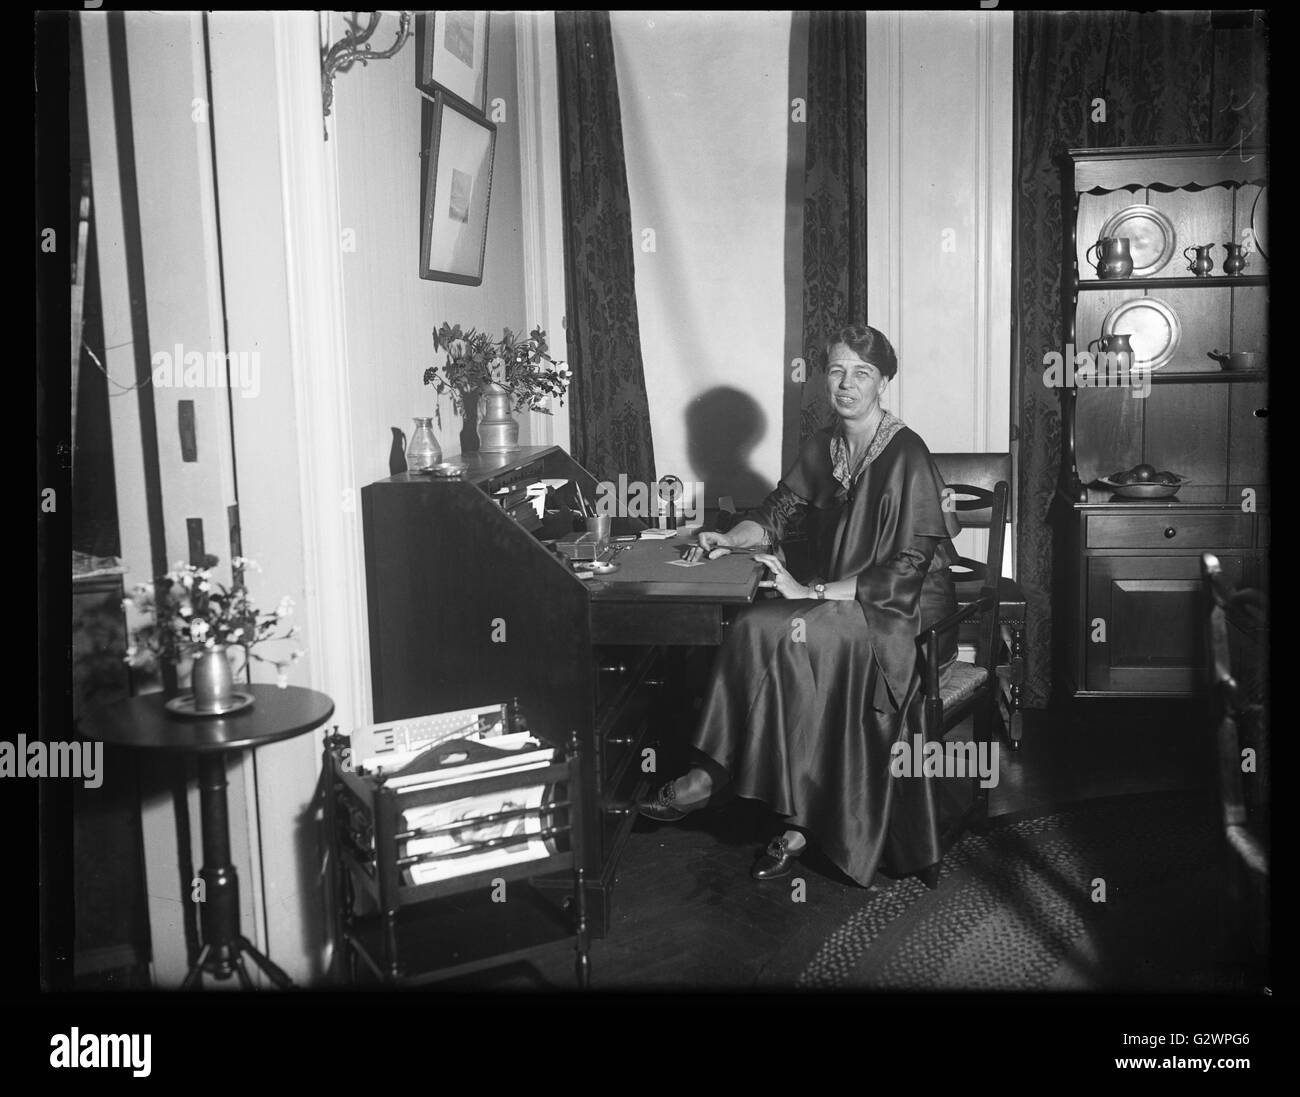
1116 894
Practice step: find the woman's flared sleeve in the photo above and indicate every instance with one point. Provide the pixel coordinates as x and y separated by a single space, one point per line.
776 512
910 526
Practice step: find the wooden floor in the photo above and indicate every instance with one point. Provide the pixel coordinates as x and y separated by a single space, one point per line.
687 914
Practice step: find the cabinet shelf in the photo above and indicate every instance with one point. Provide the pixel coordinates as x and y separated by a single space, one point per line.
1208 377
1241 281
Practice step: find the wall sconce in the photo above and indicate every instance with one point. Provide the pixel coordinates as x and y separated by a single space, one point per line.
353 47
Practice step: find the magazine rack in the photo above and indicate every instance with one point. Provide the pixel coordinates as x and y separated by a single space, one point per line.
390 929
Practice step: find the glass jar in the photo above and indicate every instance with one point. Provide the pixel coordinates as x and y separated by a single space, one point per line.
423 451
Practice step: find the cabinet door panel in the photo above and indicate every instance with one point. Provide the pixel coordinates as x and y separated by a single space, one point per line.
1152 620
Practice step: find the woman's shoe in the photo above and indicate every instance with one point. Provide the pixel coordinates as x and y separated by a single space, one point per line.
664 808
777 860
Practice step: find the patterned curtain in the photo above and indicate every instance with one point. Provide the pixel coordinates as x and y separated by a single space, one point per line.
835 197
1165 79
610 415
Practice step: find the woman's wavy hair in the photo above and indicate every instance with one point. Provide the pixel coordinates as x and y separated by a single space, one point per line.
869 344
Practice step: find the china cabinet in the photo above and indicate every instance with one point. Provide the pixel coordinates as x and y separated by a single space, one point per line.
1128 609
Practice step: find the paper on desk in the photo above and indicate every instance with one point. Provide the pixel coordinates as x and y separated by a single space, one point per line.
687 563
654 534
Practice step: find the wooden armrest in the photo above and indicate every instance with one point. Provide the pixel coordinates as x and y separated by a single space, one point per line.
929 638
987 600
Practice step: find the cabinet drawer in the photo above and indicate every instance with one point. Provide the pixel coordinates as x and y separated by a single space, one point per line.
1171 530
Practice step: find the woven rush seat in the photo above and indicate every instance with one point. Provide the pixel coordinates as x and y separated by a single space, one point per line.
960 683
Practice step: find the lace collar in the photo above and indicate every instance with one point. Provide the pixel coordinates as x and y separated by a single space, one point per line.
889 426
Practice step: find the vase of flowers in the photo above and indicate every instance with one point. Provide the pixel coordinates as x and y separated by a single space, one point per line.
212 681
512 374
188 617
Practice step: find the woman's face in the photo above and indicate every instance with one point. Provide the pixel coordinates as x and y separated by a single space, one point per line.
854 386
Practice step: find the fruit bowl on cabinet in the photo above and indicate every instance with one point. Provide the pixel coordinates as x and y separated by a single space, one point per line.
1144 482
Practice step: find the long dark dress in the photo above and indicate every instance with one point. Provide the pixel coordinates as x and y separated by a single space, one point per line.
807 697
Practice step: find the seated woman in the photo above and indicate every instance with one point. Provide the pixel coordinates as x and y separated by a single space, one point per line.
810 691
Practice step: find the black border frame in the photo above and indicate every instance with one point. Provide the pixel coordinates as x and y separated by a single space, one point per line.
431 138
425 23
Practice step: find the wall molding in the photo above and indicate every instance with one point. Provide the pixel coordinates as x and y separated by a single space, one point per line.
543 205
333 565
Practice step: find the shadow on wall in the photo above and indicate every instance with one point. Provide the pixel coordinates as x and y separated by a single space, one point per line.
723 426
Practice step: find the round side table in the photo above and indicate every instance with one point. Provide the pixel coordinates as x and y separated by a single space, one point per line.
143 723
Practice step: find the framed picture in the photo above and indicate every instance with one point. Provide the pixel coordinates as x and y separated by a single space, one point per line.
451 51
455 184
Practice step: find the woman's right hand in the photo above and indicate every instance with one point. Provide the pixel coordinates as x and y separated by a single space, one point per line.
711 545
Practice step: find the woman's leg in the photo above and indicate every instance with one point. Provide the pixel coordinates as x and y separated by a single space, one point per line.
694 785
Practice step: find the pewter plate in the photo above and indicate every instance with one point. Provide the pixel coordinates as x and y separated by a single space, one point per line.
1151 238
1153 328
1259 221
184 706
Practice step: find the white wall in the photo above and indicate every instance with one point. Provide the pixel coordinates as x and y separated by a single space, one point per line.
271 465
177 209
705 119
704 111
939 147
939 180
390 311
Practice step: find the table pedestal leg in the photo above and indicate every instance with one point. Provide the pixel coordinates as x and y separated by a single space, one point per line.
222 941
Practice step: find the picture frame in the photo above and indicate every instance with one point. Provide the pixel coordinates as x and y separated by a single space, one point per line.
451 55
458 147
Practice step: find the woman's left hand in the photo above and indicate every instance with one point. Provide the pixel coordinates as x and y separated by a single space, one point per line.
782 581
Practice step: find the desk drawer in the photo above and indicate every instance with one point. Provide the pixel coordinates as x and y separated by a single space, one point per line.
623 734
649 623
1170 530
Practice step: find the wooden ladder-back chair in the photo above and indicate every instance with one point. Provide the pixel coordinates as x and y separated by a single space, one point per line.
976 492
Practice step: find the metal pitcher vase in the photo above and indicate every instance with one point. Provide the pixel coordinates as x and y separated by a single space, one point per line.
498 430
212 681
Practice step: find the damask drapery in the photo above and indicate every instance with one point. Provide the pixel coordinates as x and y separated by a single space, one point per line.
610 417
1161 79
835 198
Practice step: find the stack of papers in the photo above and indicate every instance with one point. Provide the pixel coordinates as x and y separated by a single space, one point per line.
527 754
658 534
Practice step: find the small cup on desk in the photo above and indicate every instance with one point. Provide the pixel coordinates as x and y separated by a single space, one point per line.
600 526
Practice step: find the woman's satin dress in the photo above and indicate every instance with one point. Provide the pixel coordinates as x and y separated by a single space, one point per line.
807 697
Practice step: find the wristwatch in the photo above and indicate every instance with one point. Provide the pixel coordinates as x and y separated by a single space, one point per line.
819 589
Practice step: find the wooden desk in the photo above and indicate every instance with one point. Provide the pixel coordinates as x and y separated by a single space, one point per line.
650 600
467 607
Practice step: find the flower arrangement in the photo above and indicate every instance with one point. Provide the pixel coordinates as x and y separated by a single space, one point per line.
191 614
521 364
